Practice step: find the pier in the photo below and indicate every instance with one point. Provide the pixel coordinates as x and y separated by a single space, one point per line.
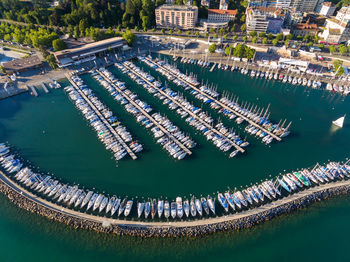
156 123
246 219
212 68
44 87
34 92
218 102
214 130
103 119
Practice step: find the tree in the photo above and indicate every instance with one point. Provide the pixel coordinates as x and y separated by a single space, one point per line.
216 35
206 34
163 31
129 37
254 39
321 46
83 24
171 32
235 38
289 37
239 51
262 34
51 61
264 41
253 33
225 37
332 49
58 44
342 49
178 32
286 43
243 28
136 28
221 31
245 38
212 48
197 34
275 41
233 28
270 36
242 19
279 37
211 30
188 32
338 68
229 50
146 22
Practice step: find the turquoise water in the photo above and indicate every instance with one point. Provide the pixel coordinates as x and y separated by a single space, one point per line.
50 133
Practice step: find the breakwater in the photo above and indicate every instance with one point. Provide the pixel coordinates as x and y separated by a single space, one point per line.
246 219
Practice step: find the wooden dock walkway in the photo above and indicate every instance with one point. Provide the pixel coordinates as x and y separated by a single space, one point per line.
219 102
155 122
104 120
188 111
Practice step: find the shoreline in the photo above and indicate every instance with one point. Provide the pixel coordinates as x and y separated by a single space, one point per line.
246 219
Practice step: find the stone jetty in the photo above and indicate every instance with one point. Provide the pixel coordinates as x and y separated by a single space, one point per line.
247 219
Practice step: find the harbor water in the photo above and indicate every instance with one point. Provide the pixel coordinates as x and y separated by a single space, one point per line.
50 133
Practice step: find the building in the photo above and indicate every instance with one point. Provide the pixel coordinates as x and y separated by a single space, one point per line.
88 52
327 8
292 64
302 29
223 5
221 16
297 5
205 3
336 31
343 15
176 16
264 19
304 5
284 4
215 25
22 64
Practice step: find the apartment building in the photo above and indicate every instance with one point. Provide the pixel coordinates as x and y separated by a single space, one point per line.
264 19
176 16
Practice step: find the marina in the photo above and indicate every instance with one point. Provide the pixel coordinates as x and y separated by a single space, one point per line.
221 136
309 78
81 160
257 119
114 141
173 140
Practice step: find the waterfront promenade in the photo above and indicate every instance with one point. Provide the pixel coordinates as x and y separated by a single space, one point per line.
240 220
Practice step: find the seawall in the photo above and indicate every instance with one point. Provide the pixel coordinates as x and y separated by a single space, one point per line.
245 219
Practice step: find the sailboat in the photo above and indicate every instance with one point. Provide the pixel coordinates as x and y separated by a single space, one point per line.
339 122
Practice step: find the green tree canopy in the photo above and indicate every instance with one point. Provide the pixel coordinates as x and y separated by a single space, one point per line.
129 37
212 48
58 44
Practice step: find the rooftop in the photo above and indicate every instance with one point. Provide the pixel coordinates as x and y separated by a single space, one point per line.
267 10
305 26
329 4
222 12
22 63
177 7
89 46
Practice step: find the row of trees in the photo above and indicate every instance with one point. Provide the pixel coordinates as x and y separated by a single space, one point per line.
29 35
